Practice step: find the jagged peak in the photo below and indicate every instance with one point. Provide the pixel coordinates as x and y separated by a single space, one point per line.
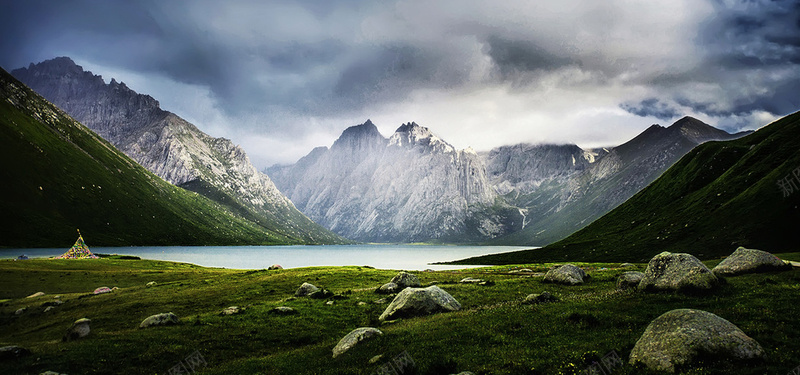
355 134
412 134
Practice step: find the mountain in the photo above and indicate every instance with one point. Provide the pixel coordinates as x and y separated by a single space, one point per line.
410 187
721 195
171 147
59 175
601 179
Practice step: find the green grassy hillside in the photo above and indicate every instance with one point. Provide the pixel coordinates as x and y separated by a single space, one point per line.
719 196
58 176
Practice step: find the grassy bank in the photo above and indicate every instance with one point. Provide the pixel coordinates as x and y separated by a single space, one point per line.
494 333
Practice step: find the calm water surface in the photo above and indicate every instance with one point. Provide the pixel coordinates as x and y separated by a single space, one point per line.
404 257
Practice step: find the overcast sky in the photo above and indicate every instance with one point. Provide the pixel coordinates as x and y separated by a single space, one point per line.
281 77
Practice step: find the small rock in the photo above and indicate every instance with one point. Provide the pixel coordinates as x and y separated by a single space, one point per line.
630 279
79 329
380 301
305 290
375 359
232 310
405 280
329 303
387 288
51 373
159 320
283 310
465 373
20 311
52 303
627 265
680 337
470 280
114 288
567 274
34 295
151 284
750 261
354 337
102 289
420 301
321 294
361 303
526 270
677 271
540 298
56 297
486 283
13 352
275 267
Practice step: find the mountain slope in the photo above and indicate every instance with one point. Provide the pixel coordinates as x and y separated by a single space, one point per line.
171 147
719 196
59 175
611 180
410 187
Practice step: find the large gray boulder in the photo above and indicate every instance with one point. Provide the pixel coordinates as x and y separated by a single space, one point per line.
405 280
387 288
354 337
677 271
629 280
305 290
749 261
79 329
420 301
159 320
680 337
567 274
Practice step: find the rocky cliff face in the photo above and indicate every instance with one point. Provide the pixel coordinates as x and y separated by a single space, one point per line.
410 187
169 146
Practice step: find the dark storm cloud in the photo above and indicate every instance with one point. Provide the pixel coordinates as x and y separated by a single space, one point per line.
652 107
517 56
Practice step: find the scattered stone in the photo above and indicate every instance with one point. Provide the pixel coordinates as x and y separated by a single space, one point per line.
275 267
151 284
159 320
387 288
470 280
283 310
375 359
232 310
465 373
540 298
34 295
329 303
305 290
629 280
354 337
56 297
51 373
361 303
321 294
526 270
78 330
679 337
750 261
53 303
380 301
102 289
420 301
677 271
48 308
114 288
20 311
567 274
405 280
627 265
486 283
13 352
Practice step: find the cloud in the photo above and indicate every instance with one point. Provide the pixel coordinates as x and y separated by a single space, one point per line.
285 74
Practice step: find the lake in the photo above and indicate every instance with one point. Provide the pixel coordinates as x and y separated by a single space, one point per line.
401 257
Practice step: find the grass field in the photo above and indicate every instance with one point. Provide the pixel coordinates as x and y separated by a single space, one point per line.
494 333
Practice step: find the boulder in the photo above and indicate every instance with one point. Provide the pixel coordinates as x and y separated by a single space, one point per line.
354 337
283 310
159 320
387 288
275 267
567 274
78 330
321 294
34 295
102 289
749 261
540 298
13 352
305 290
232 310
677 271
151 284
405 280
629 280
420 301
680 337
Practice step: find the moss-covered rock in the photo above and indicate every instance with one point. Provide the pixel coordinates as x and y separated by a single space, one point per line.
420 301
567 274
306 289
159 320
354 337
677 271
630 279
680 337
750 261
406 280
